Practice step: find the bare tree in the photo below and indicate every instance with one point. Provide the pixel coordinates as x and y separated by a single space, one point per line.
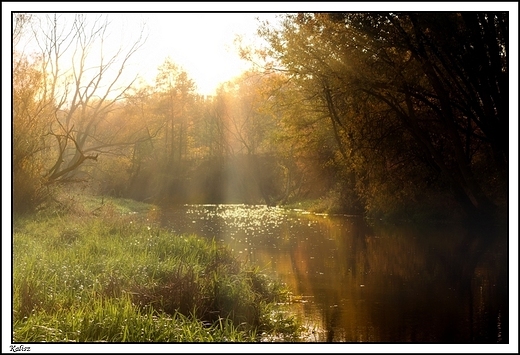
84 83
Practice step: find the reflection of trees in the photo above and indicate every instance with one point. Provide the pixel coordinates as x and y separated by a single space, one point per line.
409 284
335 258
443 284
446 276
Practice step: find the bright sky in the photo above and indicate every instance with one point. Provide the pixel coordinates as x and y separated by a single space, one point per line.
203 44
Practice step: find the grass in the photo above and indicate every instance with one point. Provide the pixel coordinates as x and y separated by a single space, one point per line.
111 275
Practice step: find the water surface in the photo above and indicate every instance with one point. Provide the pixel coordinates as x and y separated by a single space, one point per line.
355 283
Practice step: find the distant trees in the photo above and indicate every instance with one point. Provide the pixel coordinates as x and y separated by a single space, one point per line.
375 111
205 149
416 102
237 120
176 95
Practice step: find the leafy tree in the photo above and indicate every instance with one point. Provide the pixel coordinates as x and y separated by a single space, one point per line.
176 92
31 112
401 94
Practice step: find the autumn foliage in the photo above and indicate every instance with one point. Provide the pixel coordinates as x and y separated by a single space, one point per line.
377 112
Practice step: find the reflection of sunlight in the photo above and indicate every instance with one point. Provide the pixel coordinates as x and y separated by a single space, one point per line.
353 283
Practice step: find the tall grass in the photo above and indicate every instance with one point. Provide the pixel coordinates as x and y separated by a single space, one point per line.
113 277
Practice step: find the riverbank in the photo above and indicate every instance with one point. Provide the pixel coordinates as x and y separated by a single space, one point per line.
102 270
434 213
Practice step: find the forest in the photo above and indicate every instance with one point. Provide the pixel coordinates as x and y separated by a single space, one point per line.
382 114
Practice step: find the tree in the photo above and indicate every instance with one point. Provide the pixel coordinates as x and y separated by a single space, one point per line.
176 90
31 120
70 91
416 99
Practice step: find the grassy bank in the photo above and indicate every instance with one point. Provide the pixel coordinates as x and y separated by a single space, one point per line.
102 273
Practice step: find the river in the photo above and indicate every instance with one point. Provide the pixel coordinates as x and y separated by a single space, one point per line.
352 282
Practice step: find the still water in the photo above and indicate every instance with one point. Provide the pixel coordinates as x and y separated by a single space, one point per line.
355 283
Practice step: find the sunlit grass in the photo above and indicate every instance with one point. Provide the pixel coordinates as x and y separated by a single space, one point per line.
116 277
119 320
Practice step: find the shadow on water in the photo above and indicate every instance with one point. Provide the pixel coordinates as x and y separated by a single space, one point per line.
443 285
384 283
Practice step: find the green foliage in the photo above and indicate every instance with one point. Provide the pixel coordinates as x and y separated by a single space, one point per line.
118 277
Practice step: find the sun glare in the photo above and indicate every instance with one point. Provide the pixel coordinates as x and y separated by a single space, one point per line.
200 43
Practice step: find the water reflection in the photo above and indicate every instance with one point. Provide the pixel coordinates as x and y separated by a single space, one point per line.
354 283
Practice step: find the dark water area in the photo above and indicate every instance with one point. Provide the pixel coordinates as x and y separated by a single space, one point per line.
352 282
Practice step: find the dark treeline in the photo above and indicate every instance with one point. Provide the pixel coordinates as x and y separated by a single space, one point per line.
381 113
